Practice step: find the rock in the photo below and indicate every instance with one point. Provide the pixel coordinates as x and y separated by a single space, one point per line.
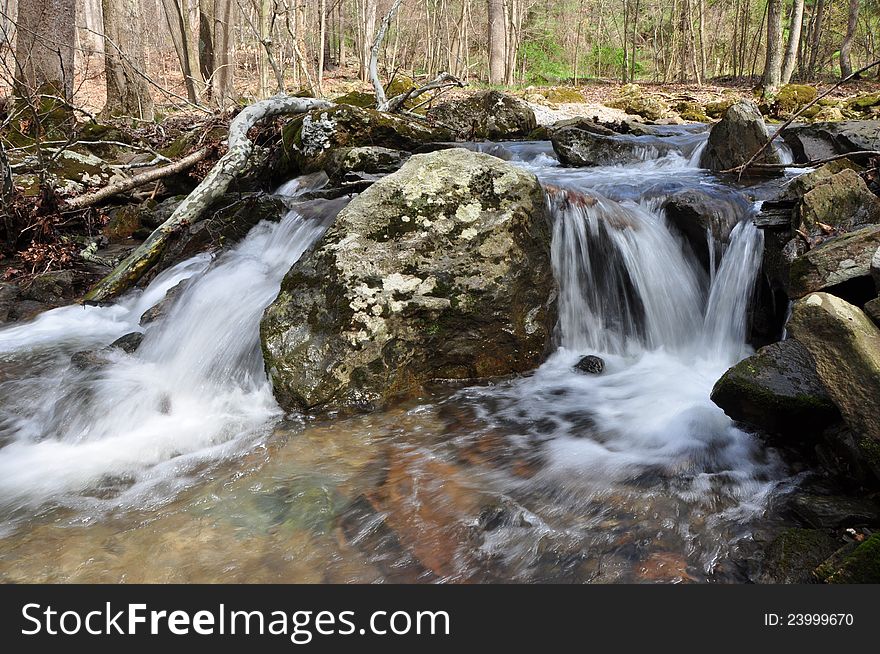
863 102
123 222
872 310
694 213
846 347
357 99
311 138
777 389
840 451
562 95
823 140
488 115
93 359
736 138
834 195
718 108
440 270
792 97
833 512
828 114
9 295
590 364
229 220
576 146
53 288
795 553
128 343
368 159
842 260
692 111
154 214
860 565
632 100
163 306
875 268
608 126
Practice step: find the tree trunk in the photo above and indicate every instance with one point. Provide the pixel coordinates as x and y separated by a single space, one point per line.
816 35
186 47
846 46
794 39
773 63
128 93
45 46
215 48
497 50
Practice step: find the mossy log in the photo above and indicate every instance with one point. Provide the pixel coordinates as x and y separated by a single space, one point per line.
215 184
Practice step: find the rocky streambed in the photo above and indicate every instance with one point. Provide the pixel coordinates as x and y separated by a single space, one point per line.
526 360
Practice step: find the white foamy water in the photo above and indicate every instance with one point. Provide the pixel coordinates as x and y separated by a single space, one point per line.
132 431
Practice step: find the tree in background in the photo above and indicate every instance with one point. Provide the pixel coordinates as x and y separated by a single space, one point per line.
128 92
45 47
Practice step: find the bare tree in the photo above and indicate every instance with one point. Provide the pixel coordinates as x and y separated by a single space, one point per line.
185 42
216 48
773 62
128 93
497 49
45 47
794 40
846 46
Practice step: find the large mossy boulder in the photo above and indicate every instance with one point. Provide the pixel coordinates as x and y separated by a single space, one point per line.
776 389
835 195
846 346
821 140
737 137
589 145
485 115
310 139
633 100
842 260
859 564
438 271
791 98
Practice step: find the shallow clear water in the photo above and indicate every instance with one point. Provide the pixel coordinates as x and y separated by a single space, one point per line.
175 463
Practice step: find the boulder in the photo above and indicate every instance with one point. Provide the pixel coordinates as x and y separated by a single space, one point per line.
590 364
367 159
834 195
440 270
846 347
795 553
631 99
822 140
696 213
834 511
875 268
589 146
777 389
842 260
856 564
792 97
736 138
311 138
872 310
485 115
9 296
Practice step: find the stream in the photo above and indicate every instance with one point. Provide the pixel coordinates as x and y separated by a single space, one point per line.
174 463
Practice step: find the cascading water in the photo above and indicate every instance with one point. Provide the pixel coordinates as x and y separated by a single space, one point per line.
611 467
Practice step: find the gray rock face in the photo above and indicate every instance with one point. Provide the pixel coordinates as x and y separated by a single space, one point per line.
837 261
777 389
834 195
579 146
440 270
736 138
822 140
485 115
846 346
367 159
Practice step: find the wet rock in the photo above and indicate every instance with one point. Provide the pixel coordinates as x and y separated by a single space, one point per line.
834 195
310 139
586 146
823 140
607 127
51 287
368 159
590 364
485 115
875 268
853 565
438 271
841 265
695 213
795 553
163 306
833 511
846 347
736 138
777 389
9 295
872 310
663 568
90 360
128 343
848 455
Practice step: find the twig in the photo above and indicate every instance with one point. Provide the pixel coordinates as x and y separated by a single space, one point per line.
819 162
741 168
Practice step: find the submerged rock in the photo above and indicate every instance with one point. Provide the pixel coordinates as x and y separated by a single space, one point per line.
590 364
485 115
777 389
846 347
438 271
842 260
736 138
823 140
587 145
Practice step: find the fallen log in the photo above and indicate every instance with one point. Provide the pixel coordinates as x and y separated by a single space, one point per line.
215 184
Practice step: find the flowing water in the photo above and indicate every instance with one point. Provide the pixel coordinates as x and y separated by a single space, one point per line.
174 463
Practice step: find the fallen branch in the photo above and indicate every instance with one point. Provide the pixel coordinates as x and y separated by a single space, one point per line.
89 199
819 162
215 184
741 168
